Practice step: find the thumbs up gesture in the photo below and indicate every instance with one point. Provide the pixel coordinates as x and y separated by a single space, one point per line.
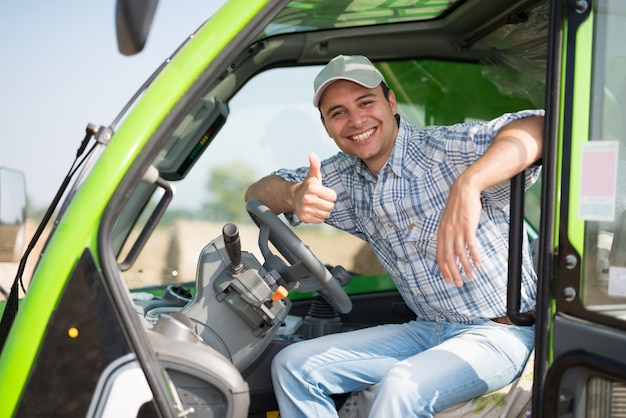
312 200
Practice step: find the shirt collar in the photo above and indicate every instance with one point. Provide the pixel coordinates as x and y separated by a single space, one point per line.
361 169
397 158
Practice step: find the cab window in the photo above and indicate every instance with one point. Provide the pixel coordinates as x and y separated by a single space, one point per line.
272 123
602 200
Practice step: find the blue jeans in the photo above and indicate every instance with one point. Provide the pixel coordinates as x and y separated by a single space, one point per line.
421 367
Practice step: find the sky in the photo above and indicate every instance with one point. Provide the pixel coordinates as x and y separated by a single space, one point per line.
61 69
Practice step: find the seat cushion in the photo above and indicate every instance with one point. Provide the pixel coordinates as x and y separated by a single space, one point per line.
511 401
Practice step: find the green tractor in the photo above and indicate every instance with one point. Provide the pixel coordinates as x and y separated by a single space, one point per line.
160 292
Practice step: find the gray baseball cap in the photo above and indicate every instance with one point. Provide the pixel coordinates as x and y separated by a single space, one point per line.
356 68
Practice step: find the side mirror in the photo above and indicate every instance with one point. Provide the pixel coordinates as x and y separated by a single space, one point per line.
12 214
133 20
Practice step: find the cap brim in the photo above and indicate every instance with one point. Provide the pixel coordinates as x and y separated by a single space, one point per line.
367 82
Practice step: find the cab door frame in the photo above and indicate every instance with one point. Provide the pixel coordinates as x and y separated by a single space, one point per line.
579 349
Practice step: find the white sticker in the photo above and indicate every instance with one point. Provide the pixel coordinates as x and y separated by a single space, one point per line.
617 281
598 181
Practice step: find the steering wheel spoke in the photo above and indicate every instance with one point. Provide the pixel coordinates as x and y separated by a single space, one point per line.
303 262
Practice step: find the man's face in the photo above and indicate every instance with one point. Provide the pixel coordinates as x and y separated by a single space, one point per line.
361 121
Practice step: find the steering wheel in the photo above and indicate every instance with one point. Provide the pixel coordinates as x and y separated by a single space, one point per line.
297 254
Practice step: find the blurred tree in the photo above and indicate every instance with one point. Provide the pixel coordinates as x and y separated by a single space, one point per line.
227 185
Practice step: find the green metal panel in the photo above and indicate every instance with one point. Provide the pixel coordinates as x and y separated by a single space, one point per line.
580 126
359 284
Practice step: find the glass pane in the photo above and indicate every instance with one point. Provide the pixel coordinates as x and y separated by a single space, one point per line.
310 15
269 128
604 261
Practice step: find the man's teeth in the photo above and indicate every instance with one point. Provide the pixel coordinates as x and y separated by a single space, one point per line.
362 137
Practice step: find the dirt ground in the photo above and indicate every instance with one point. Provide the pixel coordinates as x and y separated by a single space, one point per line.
171 254
9 269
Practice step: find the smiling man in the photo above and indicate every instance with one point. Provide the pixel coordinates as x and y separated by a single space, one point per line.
434 205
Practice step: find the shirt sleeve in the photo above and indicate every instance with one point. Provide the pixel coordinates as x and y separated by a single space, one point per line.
293 175
480 135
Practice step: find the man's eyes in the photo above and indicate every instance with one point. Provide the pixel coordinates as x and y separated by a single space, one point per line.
364 103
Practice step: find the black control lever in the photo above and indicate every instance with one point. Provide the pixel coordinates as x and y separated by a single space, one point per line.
230 232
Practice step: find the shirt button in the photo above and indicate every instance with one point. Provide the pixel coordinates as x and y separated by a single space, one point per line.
389 226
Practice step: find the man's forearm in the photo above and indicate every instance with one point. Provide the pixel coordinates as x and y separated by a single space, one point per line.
515 147
274 192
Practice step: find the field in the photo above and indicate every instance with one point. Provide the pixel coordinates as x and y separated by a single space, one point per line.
171 254
9 264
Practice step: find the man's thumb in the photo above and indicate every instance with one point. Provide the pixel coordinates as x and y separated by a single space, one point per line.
315 169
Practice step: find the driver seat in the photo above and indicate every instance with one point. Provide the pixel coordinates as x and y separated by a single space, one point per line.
512 401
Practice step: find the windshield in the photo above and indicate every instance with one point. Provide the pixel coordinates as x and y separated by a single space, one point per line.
269 128
257 117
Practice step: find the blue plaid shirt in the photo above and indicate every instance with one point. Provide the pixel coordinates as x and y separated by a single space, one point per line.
398 214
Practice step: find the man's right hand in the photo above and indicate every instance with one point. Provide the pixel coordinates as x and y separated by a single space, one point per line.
312 200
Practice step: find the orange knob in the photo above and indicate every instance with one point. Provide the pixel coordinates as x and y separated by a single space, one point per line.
280 294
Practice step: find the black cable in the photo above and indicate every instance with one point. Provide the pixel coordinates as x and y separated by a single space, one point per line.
10 310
